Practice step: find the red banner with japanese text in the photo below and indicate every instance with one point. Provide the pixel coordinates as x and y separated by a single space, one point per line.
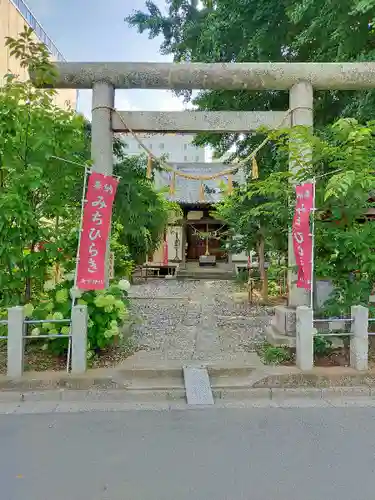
165 250
302 237
96 224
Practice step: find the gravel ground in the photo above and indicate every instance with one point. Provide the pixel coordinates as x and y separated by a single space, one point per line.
196 319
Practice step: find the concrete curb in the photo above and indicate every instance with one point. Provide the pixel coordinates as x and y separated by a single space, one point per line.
235 379
132 396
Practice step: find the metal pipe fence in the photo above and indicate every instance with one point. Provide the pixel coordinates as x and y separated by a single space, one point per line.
17 334
331 333
334 334
331 320
53 336
41 321
358 336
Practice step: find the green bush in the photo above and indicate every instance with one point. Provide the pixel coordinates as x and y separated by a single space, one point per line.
107 311
322 346
275 355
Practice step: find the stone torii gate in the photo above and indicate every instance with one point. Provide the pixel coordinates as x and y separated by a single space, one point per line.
298 78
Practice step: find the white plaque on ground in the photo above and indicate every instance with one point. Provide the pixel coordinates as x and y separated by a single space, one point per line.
197 385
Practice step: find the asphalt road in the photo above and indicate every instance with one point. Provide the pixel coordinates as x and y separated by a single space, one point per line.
212 454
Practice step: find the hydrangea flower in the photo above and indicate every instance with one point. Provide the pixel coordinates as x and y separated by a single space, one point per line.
119 305
100 301
124 285
65 330
47 326
48 286
58 315
29 309
48 306
108 334
61 296
123 314
75 293
35 332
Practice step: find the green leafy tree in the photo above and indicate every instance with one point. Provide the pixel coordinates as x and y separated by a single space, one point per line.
142 212
39 200
343 165
263 31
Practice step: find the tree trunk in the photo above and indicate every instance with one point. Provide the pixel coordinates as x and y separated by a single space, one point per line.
262 269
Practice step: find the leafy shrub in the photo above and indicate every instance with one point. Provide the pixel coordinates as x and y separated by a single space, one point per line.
322 346
3 328
273 289
275 355
107 311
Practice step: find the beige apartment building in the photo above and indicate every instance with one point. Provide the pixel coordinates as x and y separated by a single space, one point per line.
14 14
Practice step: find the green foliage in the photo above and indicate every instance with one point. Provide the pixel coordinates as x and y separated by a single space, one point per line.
259 210
322 346
319 30
275 355
344 238
41 196
142 211
107 309
39 199
124 265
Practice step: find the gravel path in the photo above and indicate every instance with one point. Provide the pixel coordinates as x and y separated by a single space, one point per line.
196 319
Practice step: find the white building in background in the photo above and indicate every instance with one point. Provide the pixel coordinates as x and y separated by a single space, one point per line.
177 148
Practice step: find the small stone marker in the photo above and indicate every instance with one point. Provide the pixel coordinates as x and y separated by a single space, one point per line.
197 385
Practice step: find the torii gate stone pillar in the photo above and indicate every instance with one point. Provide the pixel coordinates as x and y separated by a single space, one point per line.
103 101
301 102
298 78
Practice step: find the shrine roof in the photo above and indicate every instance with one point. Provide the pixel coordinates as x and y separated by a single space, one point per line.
187 192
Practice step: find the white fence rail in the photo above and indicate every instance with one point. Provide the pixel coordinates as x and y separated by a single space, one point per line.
77 339
358 335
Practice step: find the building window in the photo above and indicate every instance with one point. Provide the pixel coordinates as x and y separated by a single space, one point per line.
185 158
185 147
161 145
197 159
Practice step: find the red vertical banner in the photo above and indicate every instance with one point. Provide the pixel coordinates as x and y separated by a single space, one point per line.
302 237
96 224
165 250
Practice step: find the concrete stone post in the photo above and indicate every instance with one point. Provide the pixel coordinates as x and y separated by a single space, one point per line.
103 101
15 348
304 338
359 338
301 102
79 339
